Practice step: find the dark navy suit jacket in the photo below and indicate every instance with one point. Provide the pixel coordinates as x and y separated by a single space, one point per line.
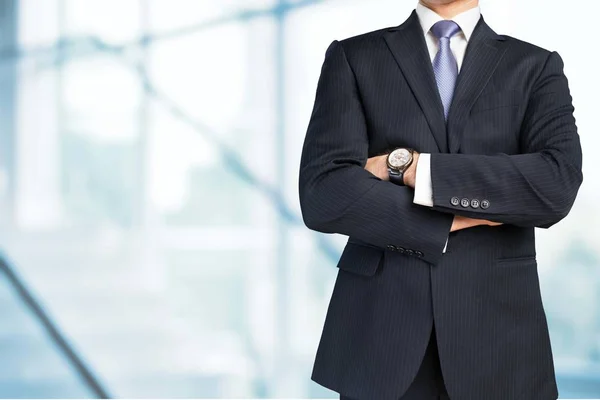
510 142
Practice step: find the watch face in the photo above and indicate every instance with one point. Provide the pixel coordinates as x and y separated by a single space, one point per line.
399 158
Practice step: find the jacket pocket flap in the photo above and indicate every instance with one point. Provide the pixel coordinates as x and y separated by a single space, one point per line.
360 259
497 100
522 260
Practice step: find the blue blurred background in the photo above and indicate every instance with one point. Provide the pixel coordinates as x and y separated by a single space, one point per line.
151 239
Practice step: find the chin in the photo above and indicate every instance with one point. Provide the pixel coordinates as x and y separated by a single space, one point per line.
438 2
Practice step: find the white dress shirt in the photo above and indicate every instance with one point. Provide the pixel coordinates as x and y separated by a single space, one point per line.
458 44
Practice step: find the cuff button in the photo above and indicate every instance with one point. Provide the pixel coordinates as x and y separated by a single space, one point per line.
475 203
465 202
455 201
485 204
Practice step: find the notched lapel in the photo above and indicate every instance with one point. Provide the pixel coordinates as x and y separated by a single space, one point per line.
484 53
407 44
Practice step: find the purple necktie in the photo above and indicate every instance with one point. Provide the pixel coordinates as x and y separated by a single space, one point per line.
445 67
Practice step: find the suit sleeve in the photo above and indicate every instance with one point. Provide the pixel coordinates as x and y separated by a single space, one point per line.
533 189
337 195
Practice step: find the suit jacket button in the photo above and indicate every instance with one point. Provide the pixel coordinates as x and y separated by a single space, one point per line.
410 252
475 203
455 201
485 204
401 249
465 202
419 254
391 247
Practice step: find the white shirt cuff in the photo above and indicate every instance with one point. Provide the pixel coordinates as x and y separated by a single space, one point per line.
423 186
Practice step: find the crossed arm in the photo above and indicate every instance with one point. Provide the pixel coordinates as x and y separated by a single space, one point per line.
338 195
378 166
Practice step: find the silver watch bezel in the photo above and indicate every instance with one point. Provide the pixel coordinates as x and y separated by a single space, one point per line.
403 167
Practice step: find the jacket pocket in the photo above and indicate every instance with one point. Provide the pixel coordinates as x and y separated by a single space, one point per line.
360 259
522 260
492 101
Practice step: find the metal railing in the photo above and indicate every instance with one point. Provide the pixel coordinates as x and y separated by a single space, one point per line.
89 379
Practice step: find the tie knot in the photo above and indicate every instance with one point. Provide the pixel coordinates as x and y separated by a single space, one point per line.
445 29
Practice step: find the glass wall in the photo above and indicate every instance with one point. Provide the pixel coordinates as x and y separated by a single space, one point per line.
148 188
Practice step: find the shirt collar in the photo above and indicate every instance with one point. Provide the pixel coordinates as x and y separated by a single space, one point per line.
467 20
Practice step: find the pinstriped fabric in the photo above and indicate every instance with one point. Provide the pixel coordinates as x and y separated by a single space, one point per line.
406 40
512 141
535 188
335 151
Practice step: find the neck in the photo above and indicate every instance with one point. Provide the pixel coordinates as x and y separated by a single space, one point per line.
451 9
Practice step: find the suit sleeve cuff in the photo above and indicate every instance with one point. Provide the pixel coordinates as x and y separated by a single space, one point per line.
423 185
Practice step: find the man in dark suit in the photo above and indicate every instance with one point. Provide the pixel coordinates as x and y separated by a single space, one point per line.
438 146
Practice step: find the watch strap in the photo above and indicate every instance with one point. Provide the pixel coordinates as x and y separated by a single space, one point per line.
396 177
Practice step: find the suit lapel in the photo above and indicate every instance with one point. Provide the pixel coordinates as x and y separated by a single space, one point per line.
407 44
484 52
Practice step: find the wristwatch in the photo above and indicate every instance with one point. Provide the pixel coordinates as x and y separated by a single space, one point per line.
398 162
